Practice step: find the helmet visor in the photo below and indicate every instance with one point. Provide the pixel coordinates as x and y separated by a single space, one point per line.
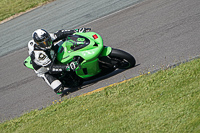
46 44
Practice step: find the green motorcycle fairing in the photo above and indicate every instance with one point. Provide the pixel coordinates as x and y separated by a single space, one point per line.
88 46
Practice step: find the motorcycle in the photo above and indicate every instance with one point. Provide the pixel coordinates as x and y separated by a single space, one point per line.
92 56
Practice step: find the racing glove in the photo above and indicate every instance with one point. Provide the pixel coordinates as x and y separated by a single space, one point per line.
62 34
73 65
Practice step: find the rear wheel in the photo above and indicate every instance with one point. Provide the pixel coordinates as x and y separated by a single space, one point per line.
121 59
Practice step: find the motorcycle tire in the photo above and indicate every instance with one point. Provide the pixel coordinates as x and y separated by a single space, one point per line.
122 59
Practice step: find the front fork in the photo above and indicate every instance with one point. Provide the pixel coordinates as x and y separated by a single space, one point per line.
104 60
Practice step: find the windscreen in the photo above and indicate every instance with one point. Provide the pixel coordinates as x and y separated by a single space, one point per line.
77 42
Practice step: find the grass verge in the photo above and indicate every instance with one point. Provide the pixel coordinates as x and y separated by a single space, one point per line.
9 8
166 101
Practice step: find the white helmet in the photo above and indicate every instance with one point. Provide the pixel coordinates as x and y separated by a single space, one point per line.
42 39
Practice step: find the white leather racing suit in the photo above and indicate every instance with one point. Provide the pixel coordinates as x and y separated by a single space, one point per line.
42 60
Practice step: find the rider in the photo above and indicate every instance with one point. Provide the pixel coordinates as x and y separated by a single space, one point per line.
42 50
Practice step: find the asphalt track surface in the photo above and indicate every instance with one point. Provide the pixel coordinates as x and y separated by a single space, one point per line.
156 32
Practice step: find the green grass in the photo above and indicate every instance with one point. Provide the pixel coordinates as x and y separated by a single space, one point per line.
166 101
9 8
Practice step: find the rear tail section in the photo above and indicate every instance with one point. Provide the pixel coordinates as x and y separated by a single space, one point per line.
28 63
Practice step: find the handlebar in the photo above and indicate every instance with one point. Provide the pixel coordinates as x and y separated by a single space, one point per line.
87 29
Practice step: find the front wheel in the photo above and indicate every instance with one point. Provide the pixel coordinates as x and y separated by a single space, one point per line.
121 59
